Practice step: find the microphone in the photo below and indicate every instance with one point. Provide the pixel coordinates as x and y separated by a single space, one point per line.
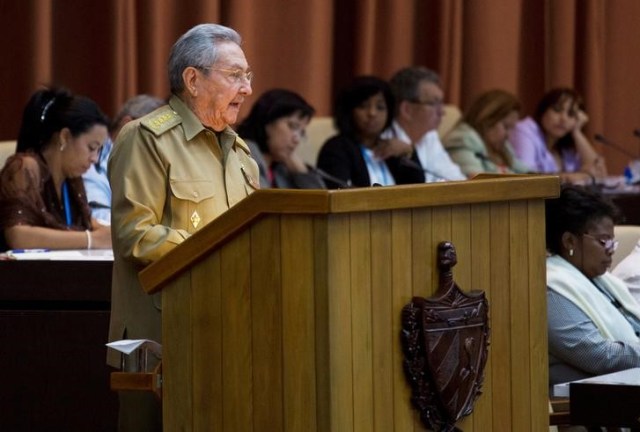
333 179
603 140
412 164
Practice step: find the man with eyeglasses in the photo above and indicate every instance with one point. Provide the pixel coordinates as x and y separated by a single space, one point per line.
172 172
419 110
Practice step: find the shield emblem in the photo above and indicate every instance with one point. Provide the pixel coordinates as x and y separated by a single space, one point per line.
445 340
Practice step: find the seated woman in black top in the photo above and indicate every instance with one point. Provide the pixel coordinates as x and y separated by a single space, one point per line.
362 111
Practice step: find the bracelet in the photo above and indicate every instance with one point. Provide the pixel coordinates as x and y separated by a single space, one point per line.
89 239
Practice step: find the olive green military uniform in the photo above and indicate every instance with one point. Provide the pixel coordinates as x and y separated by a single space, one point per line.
170 176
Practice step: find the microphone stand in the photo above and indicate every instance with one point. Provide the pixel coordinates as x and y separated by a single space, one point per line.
629 172
605 141
333 179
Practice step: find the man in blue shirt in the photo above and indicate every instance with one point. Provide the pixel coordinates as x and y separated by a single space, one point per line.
95 179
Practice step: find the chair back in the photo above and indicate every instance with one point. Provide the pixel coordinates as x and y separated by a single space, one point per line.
7 148
628 236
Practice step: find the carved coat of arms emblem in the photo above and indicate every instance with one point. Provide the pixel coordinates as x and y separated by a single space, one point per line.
445 342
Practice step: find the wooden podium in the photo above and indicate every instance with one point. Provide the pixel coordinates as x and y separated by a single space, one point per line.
284 313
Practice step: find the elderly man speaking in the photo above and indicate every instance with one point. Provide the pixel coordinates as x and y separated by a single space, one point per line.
172 172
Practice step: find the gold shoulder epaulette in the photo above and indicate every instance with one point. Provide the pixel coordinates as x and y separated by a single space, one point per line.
162 120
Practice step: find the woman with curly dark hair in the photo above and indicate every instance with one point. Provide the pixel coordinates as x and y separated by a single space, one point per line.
362 112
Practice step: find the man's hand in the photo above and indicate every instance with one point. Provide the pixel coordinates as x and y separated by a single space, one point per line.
392 147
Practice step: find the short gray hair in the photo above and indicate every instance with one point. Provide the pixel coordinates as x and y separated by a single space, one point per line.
405 82
137 107
197 48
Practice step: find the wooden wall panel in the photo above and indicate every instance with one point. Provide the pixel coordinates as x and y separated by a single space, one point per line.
402 291
323 359
206 319
538 345
480 254
177 352
422 252
298 324
383 316
519 271
236 335
266 296
500 321
307 326
361 256
340 331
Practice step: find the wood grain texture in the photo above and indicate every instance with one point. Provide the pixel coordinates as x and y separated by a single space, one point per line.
293 322
267 326
177 354
298 323
272 201
206 321
237 360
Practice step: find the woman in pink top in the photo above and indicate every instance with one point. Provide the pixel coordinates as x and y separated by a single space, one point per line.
553 142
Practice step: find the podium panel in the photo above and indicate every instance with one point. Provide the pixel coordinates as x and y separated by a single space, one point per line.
284 314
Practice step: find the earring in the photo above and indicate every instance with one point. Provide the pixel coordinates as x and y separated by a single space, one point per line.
570 252
61 146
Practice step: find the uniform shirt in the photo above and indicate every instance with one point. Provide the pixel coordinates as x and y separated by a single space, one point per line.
170 176
97 186
435 161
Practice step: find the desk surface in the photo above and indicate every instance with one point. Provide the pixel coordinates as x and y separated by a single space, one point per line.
54 320
607 400
627 198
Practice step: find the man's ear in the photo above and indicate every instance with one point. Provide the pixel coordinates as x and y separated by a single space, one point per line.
404 109
190 79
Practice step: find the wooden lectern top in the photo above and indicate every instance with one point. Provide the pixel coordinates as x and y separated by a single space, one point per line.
483 188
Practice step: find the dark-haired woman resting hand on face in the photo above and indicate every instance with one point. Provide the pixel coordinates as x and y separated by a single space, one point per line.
274 128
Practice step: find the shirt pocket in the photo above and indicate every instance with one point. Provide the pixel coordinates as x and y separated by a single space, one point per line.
191 202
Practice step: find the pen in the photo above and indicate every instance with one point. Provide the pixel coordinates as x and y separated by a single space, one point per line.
28 250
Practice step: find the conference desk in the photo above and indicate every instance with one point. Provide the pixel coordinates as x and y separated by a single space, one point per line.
627 198
607 400
54 318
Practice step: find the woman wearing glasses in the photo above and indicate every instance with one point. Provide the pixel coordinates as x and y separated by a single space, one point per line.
593 320
274 128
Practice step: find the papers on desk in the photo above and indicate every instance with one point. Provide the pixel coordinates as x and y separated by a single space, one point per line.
625 377
127 346
61 255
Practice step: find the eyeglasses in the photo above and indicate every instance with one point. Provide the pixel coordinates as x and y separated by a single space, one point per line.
609 245
432 103
234 75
